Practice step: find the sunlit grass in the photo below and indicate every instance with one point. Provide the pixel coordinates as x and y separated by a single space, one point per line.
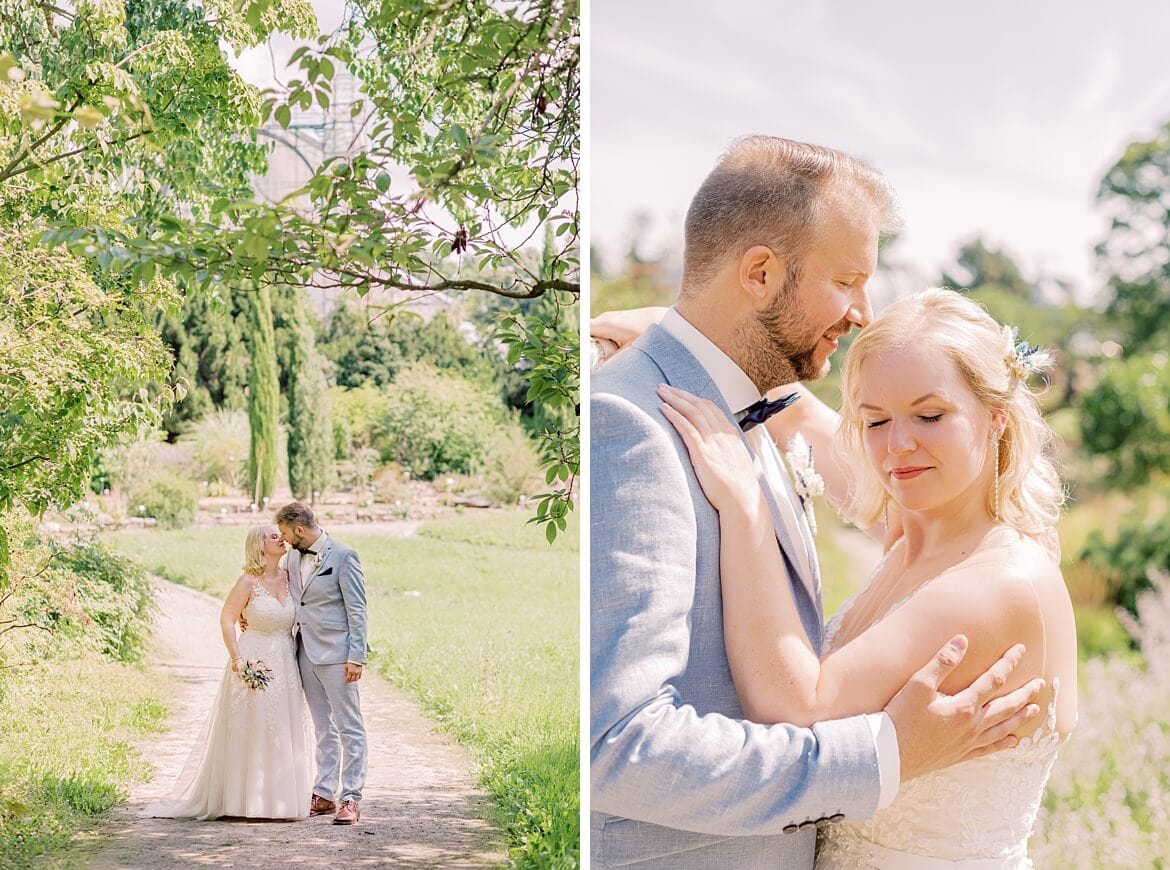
66 732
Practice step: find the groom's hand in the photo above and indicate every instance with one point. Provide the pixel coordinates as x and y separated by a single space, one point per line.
353 672
936 730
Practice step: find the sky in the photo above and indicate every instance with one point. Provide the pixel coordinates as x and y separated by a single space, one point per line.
265 64
995 119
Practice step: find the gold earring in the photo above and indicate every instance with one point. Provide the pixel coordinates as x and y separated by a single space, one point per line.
995 447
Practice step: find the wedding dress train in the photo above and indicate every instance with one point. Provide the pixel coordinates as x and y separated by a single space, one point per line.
252 756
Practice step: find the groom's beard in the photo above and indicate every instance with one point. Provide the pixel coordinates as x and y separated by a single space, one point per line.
772 355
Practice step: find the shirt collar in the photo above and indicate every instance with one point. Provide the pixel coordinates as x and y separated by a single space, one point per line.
734 385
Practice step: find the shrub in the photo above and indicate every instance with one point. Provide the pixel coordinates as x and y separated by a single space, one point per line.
391 485
130 467
114 593
1141 546
355 417
78 595
436 422
357 472
169 499
513 468
218 444
1126 419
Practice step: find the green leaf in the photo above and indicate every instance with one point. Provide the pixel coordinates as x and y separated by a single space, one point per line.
88 117
283 115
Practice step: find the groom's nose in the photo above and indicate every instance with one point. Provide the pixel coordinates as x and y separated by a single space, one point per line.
860 311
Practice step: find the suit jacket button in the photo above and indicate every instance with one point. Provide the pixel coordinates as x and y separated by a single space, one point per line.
822 822
839 817
791 829
804 826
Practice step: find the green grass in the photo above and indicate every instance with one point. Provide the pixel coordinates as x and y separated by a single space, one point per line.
65 749
477 617
839 572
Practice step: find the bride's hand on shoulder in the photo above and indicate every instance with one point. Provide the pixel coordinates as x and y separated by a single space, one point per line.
623 327
721 461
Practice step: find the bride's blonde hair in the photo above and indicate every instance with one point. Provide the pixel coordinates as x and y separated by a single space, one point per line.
254 550
995 368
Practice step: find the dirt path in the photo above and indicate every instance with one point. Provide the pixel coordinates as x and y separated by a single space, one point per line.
420 806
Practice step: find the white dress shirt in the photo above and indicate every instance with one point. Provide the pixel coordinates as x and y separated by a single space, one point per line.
739 392
309 563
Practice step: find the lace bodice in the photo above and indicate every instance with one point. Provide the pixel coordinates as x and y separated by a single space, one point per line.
980 811
267 614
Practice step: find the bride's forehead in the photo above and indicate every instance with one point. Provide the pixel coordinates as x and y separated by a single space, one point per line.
919 370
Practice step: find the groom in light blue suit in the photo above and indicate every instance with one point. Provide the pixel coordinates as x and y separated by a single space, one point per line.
328 590
780 241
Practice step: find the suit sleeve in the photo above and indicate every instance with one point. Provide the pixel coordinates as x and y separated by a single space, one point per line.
653 757
353 595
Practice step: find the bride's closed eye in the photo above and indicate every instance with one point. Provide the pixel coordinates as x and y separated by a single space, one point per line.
925 418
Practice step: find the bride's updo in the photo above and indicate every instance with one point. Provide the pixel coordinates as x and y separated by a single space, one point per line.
254 550
996 368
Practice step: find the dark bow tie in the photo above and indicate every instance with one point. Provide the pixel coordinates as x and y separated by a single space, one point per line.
758 412
305 551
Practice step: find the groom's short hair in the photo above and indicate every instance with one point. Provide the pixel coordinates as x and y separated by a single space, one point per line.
766 191
296 514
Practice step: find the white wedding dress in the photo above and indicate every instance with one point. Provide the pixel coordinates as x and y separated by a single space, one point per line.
252 756
976 815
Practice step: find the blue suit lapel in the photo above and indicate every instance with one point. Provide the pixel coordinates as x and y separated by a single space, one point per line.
680 369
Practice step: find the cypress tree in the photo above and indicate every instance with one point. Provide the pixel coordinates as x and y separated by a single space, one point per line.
310 430
263 397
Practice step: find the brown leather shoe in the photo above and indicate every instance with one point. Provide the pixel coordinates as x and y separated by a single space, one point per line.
348 814
320 806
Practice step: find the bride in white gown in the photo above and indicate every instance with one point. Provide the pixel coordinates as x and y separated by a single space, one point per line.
251 759
940 433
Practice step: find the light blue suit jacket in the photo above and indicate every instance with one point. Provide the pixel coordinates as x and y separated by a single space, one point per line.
331 605
678 778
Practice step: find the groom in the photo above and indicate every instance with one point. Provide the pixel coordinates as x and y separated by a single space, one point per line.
780 241
326 583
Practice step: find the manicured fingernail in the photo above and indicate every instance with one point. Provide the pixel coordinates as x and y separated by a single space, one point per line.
958 644
1033 709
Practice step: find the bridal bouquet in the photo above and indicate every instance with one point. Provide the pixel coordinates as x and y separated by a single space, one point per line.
256 675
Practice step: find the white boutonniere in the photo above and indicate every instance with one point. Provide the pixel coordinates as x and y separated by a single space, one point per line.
805 479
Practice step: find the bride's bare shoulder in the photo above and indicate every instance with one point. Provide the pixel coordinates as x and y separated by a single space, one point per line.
1007 572
1024 558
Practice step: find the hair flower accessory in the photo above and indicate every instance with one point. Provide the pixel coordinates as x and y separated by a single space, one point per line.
1024 359
805 479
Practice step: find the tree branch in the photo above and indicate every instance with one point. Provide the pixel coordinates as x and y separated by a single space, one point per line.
28 461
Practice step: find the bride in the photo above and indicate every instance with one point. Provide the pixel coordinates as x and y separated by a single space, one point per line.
941 438
251 759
